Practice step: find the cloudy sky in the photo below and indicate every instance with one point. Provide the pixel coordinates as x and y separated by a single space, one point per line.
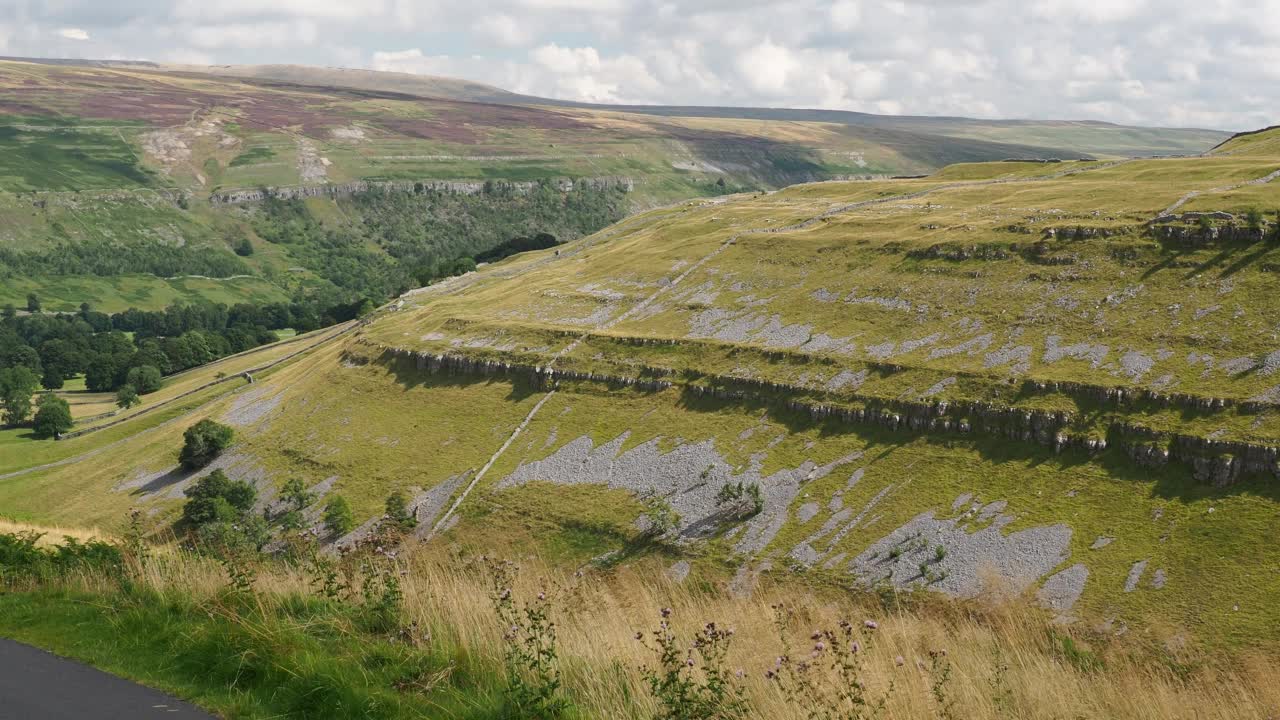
1203 63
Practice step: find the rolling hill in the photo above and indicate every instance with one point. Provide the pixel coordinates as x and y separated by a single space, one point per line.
1058 379
132 184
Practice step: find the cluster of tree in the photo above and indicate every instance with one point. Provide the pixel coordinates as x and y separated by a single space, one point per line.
435 234
55 347
426 235
218 515
106 258
52 414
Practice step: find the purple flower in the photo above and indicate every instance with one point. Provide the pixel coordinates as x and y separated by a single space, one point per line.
870 624
666 612
820 646
689 662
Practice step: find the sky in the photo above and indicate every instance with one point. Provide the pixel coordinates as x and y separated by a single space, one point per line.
1192 63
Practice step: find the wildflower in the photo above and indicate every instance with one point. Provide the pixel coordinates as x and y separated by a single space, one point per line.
666 612
820 646
899 661
640 636
870 624
542 596
689 662
740 673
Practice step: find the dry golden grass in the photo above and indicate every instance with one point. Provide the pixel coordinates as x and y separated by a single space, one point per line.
53 535
599 614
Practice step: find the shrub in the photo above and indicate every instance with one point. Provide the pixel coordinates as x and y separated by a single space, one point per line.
127 397
1253 220
16 386
338 518
398 511
828 682
662 519
53 416
744 500
203 442
529 646
145 378
693 683
21 557
216 498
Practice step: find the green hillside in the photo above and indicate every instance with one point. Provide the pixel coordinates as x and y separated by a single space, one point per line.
113 172
1054 379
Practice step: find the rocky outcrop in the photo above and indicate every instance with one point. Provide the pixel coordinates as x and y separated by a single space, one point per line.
1193 236
1216 462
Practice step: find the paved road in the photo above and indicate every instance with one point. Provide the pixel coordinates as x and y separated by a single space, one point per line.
35 685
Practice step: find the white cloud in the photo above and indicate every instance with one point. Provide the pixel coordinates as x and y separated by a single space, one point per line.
505 29
1150 61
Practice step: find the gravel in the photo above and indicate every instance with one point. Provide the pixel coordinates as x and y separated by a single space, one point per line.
1101 542
677 476
1159 579
1018 559
428 505
1271 363
678 571
1018 357
1061 591
939 387
1136 364
1135 576
975 345
1237 366
251 407
806 512
1054 351
847 380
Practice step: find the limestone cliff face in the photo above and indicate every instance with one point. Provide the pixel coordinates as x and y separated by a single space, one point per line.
1216 462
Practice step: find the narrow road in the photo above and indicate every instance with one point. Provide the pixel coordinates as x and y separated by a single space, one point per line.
36 685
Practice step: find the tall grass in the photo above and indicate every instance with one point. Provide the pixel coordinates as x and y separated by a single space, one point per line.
1002 658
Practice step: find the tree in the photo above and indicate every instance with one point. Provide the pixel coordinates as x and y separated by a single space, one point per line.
217 498
100 375
398 511
53 416
295 497
1253 220
203 442
127 397
338 518
244 248
16 387
144 378
33 303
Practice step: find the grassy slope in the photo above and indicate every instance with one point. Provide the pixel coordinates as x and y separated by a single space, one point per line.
374 425
98 153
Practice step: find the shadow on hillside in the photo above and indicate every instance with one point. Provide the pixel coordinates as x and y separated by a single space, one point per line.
1173 481
164 482
407 375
